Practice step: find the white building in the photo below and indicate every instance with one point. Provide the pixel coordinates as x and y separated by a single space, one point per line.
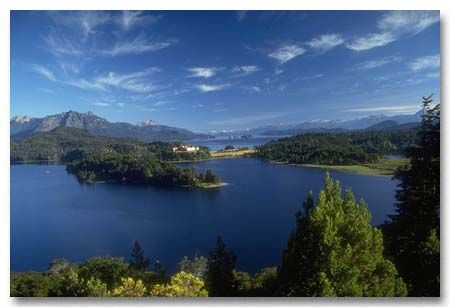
185 148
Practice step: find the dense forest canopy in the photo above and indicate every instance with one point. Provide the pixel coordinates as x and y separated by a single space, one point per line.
65 144
128 169
337 148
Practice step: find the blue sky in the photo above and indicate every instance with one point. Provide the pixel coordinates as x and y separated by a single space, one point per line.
214 70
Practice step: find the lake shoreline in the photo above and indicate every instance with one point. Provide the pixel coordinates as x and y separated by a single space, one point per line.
384 168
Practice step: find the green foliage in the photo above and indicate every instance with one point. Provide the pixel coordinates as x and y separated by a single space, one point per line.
337 148
182 284
210 177
97 288
69 144
412 234
220 279
125 169
336 252
263 283
197 266
68 283
29 284
109 270
130 288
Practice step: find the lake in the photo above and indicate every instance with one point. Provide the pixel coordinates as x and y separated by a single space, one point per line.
54 216
220 142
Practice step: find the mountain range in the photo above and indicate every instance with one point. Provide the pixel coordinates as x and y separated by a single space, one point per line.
149 130
362 123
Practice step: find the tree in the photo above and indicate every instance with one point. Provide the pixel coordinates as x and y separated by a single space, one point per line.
130 288
181 284
29 284
211 178
197 266
109 270
97 288
412 234
220 279
334 251
138 262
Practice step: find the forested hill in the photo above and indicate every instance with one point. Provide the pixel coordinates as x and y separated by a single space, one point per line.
337 148
66 144
150 131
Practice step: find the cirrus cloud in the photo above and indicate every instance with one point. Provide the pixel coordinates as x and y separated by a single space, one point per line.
326 42
426 62
287 53
205 88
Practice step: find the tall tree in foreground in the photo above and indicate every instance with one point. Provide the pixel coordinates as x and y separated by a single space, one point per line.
220 279
335 251
413 233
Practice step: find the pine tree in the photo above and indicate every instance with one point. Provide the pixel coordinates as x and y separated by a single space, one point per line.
413 232
335 251
138 262
220 279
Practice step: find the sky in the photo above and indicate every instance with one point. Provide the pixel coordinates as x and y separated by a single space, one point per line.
221 70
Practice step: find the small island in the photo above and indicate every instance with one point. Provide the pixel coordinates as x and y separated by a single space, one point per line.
115 168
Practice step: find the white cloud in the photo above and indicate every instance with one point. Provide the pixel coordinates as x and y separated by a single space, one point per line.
162 103
316 76
202 72
377 63
256 88
245 70
433 75
131 19
69 68
101 104
43 72
120 104
287 53
326 42
60 45
46 90
211 88
83 21
407 22
138 45
411 108
371 41
393 25
134 82
426 62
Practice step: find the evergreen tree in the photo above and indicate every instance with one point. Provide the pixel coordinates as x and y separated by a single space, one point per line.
220 279
138 262
197 266
335 251
412 234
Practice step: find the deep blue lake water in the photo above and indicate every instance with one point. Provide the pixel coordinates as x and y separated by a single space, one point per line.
53 216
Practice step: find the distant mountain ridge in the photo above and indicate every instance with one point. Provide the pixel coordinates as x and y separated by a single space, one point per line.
149 130
336 125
